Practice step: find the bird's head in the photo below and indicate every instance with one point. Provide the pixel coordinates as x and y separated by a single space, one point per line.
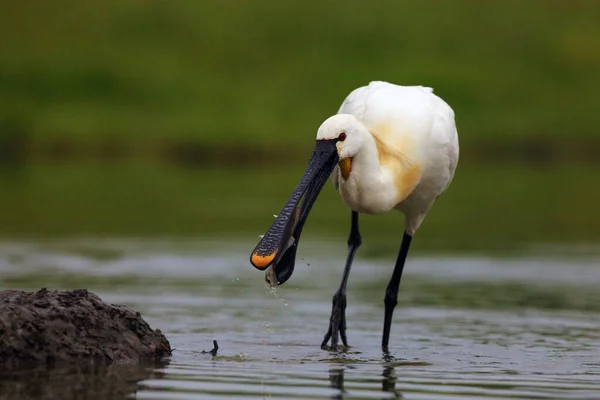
350 134
339 138
348 131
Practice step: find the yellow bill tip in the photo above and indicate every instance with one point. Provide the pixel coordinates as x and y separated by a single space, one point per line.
262 261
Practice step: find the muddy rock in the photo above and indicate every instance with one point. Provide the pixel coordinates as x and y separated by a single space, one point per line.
48 328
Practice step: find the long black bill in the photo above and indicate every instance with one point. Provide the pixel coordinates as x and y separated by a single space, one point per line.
278 246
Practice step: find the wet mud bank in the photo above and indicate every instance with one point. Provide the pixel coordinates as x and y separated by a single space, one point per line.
48 328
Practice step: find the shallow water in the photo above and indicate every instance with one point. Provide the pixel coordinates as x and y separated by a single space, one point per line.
465 326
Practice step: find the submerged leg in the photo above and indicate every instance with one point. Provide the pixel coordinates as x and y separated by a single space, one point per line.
391 292
337 321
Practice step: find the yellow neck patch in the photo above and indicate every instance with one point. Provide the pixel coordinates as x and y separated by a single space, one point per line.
345 167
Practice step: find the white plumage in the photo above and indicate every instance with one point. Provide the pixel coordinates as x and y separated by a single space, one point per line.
403 144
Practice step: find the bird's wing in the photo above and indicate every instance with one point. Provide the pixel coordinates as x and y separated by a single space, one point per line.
393 114
445 143
410 124
366 98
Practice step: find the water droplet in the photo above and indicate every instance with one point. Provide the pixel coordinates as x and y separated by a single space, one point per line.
270 290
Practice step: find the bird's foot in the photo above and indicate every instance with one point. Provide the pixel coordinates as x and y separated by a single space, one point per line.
337 323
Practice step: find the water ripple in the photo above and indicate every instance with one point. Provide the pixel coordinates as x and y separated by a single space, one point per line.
465 327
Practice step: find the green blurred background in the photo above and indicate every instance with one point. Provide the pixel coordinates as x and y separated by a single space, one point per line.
195 118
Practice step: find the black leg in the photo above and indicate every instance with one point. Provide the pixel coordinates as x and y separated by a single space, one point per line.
337 321
391 292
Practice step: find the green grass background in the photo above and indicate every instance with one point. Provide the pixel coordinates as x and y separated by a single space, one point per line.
149 117
270 71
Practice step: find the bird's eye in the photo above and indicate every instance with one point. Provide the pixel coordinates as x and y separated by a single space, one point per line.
342 136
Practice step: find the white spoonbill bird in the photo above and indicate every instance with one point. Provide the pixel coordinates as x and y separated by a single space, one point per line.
389 147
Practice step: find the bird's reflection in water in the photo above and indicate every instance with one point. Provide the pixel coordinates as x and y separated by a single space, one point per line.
388 382
336 381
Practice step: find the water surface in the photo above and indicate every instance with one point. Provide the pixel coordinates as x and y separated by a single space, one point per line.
466 327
